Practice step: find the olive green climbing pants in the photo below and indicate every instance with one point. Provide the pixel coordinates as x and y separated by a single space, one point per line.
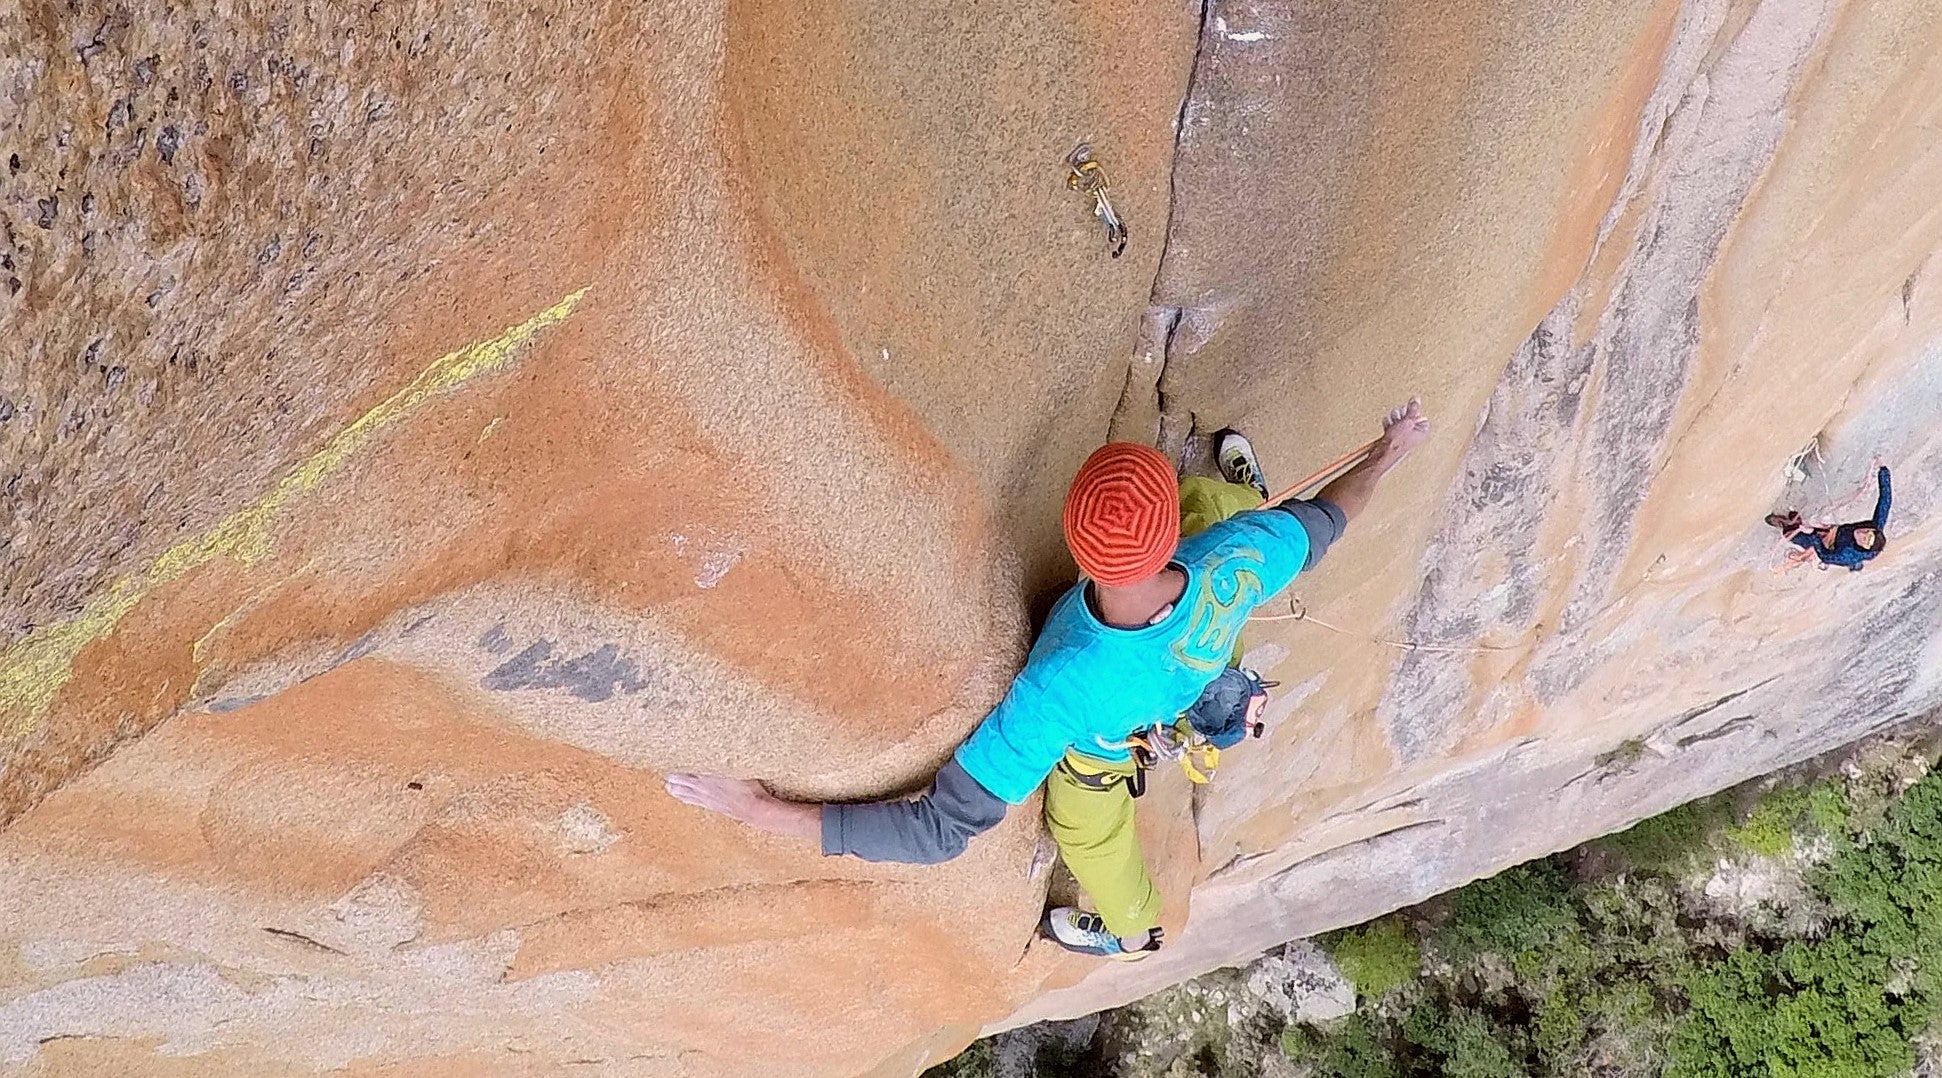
1088 807
1206 502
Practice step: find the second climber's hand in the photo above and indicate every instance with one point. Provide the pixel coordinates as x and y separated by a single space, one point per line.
746 800
1403 430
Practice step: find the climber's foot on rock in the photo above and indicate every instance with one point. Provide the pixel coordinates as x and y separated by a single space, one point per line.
1085 933
1234 455
1786 522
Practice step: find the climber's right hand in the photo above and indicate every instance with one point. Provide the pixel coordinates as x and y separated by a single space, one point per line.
750 802
1403 430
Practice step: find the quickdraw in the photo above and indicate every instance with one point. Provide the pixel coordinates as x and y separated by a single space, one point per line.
1198 758
1189 745
1179 742
1088 177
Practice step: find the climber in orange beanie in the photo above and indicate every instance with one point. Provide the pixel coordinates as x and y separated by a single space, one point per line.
1147 635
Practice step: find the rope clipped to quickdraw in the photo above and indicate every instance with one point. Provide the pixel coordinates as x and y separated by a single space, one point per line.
1298 611
1088 177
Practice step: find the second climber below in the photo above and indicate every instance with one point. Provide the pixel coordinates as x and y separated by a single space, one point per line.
1849 546
1172 569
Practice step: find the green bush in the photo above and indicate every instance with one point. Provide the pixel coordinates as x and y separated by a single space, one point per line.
1512 913
1465 1042
1666 842
1301 1044
1828 808
1891 887
1634 923
1769 828
1355 1048
1376 957
1846 1005
1813 1009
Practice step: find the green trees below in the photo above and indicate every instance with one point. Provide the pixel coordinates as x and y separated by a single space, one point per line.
1377 956
1846 1005
1619 965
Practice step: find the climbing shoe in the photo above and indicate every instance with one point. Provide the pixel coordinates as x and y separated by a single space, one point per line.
1085 933
1235 457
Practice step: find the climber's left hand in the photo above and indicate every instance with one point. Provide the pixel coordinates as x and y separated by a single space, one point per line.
750 802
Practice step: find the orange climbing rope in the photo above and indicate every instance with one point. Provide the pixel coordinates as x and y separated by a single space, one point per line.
1329 472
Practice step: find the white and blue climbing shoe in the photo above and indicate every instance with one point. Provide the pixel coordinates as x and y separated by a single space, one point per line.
1085 933
1234 455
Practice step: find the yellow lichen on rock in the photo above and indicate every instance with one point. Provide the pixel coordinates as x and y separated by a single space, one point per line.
33 669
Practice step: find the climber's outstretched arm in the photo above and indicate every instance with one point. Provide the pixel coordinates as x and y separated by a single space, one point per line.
1403 430
1006 758
748 801
934 828
1883 500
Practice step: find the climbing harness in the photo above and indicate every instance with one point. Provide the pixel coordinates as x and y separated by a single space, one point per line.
1088 177
1099 776
1194 740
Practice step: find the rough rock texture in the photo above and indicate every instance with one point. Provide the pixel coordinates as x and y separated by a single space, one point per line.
424 425
1727 265
1301 984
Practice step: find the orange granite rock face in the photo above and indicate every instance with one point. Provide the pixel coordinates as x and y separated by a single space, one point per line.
424 426
1703 255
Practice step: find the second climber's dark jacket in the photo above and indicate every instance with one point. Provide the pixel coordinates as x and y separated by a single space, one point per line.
1844 551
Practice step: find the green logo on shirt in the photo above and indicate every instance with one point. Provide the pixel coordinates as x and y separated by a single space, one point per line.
1229 590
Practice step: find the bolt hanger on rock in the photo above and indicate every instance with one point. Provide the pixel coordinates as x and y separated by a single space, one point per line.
1088 177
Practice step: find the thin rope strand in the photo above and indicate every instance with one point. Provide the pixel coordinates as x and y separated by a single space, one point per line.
1298 611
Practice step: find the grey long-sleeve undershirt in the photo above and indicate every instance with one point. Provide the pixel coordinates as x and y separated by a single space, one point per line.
937 826
1324 522
932 829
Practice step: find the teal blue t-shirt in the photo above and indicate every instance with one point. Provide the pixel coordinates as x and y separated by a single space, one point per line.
1088 685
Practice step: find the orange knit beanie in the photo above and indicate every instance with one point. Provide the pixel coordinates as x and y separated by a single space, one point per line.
1122 516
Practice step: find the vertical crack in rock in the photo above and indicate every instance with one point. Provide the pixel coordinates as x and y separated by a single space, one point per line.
1149 407
1484 573
1141 401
